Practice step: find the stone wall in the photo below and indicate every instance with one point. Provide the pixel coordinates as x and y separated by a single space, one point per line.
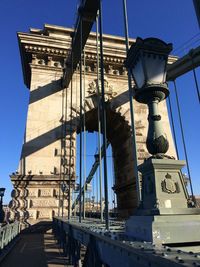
45 160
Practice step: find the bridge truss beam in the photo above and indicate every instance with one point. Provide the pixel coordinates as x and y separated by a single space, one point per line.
184 64
113 248
87 14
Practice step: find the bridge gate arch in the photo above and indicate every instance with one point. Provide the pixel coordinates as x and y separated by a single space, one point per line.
36 182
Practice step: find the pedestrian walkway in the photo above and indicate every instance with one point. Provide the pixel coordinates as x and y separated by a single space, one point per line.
35 250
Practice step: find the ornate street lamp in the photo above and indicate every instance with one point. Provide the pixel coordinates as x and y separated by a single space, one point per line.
163 215
147 62
64 187
2 191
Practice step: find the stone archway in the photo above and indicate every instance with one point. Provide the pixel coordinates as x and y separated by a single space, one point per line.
43 54
119 136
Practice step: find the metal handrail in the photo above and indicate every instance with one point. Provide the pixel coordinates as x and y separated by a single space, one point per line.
8 233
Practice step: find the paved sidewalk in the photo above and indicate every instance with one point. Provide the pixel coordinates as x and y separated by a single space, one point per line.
35 250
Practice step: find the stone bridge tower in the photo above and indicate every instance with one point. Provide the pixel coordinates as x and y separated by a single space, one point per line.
41 169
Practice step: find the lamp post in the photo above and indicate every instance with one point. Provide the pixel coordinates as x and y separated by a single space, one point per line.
163 214
64 188
2 191
147 62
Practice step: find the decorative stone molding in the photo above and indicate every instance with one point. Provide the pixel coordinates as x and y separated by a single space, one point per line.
45 50
108 89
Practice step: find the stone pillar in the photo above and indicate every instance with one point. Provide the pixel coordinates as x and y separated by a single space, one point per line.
42 165
37 180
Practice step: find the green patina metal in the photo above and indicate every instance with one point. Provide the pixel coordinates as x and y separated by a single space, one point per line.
8 234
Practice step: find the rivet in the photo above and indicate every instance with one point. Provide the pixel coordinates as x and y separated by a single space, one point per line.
169 249
164 254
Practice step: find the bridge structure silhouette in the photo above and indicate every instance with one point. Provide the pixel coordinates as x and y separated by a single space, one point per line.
163 228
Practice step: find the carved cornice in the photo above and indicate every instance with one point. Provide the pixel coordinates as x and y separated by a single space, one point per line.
42 51
46 50
50 48
29 178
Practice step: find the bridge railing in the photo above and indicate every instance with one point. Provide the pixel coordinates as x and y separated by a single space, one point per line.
89 244
7 234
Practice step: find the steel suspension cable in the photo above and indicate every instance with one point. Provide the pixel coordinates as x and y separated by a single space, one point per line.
84 137
185 43
173 128
70 145
97 191
183 138
103 113
93 194
80 145
194 74
76 116
196 83
132 109
61 150
99 120
113 181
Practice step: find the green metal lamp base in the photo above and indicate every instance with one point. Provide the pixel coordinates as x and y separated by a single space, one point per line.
164 215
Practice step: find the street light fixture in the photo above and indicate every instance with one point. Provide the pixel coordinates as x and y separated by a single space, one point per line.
64 187
2 191
164 195
147 62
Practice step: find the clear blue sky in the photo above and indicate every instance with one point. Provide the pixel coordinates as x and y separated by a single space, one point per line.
172 21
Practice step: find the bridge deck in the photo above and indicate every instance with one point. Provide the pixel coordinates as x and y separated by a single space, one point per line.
35 249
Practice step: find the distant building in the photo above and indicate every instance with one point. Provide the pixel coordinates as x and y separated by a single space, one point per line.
91 206
197 199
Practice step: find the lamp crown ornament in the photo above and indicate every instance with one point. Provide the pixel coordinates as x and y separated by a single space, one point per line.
147 63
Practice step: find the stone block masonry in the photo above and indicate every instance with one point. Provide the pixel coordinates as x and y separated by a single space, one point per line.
45 153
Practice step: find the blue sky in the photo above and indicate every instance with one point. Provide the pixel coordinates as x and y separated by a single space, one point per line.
172 21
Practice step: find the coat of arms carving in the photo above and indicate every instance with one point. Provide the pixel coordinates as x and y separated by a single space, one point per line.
94 87
169 185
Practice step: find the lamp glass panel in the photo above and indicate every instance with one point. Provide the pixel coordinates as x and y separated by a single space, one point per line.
138 73
155 69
